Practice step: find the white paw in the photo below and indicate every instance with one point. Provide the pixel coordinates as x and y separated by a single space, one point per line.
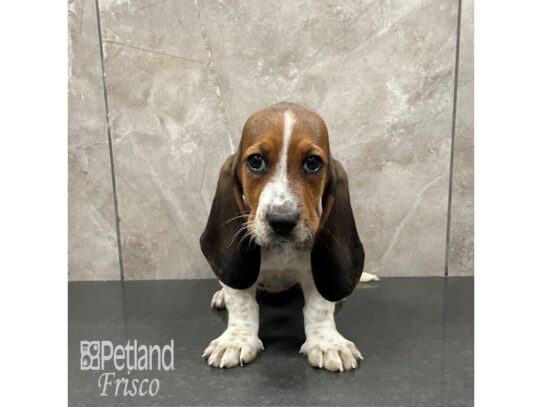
218 300
331 351
368 277
232 348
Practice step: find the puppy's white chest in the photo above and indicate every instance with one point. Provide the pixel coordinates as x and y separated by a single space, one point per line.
282 267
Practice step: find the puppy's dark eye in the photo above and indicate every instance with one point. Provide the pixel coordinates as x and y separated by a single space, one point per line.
312 164
256 163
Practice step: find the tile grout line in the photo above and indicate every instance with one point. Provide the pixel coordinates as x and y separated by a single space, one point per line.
452 143
110 142
214 75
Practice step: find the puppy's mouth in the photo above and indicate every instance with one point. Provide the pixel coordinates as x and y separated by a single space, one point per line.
278 240
292 242
300 237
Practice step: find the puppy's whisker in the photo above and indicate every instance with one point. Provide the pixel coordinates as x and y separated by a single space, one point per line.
251 241
241 229
242 239
246 232
234 218
252 235
249 232
324 229
245 235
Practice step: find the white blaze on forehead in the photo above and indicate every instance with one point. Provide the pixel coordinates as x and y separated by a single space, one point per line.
282 167
277 196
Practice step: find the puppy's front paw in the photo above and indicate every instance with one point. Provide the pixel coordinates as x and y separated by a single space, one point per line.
331 351
218 301
232 348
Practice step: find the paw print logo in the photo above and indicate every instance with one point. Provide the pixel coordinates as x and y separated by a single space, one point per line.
90 355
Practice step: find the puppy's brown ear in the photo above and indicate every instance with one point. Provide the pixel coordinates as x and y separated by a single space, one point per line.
233 258
337 255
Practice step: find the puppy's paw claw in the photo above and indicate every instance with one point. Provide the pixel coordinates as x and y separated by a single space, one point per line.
331 352
232 349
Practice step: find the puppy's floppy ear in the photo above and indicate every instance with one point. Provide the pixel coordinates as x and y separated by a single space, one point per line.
337 255
233 258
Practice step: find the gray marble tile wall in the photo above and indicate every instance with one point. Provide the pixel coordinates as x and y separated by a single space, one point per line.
181 77
461 239
92 237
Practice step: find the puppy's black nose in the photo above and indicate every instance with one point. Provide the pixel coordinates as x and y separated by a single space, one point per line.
282 223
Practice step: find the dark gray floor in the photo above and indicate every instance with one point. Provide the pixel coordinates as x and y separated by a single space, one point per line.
416 335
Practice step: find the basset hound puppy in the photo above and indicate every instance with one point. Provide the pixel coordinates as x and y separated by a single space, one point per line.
281 215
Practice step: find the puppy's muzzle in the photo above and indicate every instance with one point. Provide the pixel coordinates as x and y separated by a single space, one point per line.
282 223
